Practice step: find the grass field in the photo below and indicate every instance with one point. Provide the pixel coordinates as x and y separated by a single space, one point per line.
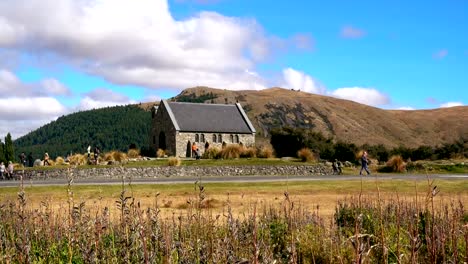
369 221
173 198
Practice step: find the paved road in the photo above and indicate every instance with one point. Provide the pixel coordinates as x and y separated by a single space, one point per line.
177 180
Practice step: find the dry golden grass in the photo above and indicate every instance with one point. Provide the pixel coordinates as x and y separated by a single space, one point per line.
59 161
160 153
133 153
248 152
78 159
306 155
211 153
265 152
231 151
174 161
173 199
115 156
396 163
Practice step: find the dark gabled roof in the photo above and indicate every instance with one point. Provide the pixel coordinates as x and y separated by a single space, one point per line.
215 118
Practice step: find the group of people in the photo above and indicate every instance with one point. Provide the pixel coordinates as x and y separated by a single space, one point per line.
196 151
6 173
337 165
96 153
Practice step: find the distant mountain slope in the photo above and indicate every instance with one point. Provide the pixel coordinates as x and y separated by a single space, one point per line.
111 128
342 119
117 127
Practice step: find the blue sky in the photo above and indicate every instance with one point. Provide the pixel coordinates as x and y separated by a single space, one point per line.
62 56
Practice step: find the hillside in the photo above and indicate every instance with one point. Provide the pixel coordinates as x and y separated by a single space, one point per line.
111 128
114 128
341 119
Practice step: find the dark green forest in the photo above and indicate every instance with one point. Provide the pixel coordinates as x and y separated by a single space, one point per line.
111 128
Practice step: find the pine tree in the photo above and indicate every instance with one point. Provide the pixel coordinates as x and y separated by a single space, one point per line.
9 149
2 152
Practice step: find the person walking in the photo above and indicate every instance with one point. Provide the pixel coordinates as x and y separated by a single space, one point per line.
46 159
364 163
2 170
22 157
30 159
89 152
10 169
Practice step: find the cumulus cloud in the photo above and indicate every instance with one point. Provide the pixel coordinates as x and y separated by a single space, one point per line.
54 87
368 96
101 97
451 104
351 32
139 42
405 108
24 106
440 54
11 86
298 80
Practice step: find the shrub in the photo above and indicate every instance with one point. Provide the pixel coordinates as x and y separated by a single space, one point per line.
231 151
119 156
265 152
211 153
249 152
78 159
306 155
160 153
108 156
60 161
133 153
395 164
174 161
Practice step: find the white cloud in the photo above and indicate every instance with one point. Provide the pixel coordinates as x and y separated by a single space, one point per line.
368 96
26 106
11 86
108 95
405 108
451 104
352 32
138 42
102 97
440 54
298 80
15 108
54 87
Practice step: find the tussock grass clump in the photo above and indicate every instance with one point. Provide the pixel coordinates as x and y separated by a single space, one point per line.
211 153
265 152
174 161
396 164
78 159
115 156
248 152
160 153
60 161
133 153
231 151
306 155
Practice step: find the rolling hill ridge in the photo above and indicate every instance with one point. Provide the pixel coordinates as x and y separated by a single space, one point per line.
341 119
115 128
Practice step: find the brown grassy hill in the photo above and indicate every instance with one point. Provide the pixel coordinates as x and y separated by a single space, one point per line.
342 119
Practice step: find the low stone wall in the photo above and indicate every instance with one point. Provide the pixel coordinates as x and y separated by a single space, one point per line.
182 171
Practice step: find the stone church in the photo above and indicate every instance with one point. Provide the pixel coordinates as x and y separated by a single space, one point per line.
175 126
